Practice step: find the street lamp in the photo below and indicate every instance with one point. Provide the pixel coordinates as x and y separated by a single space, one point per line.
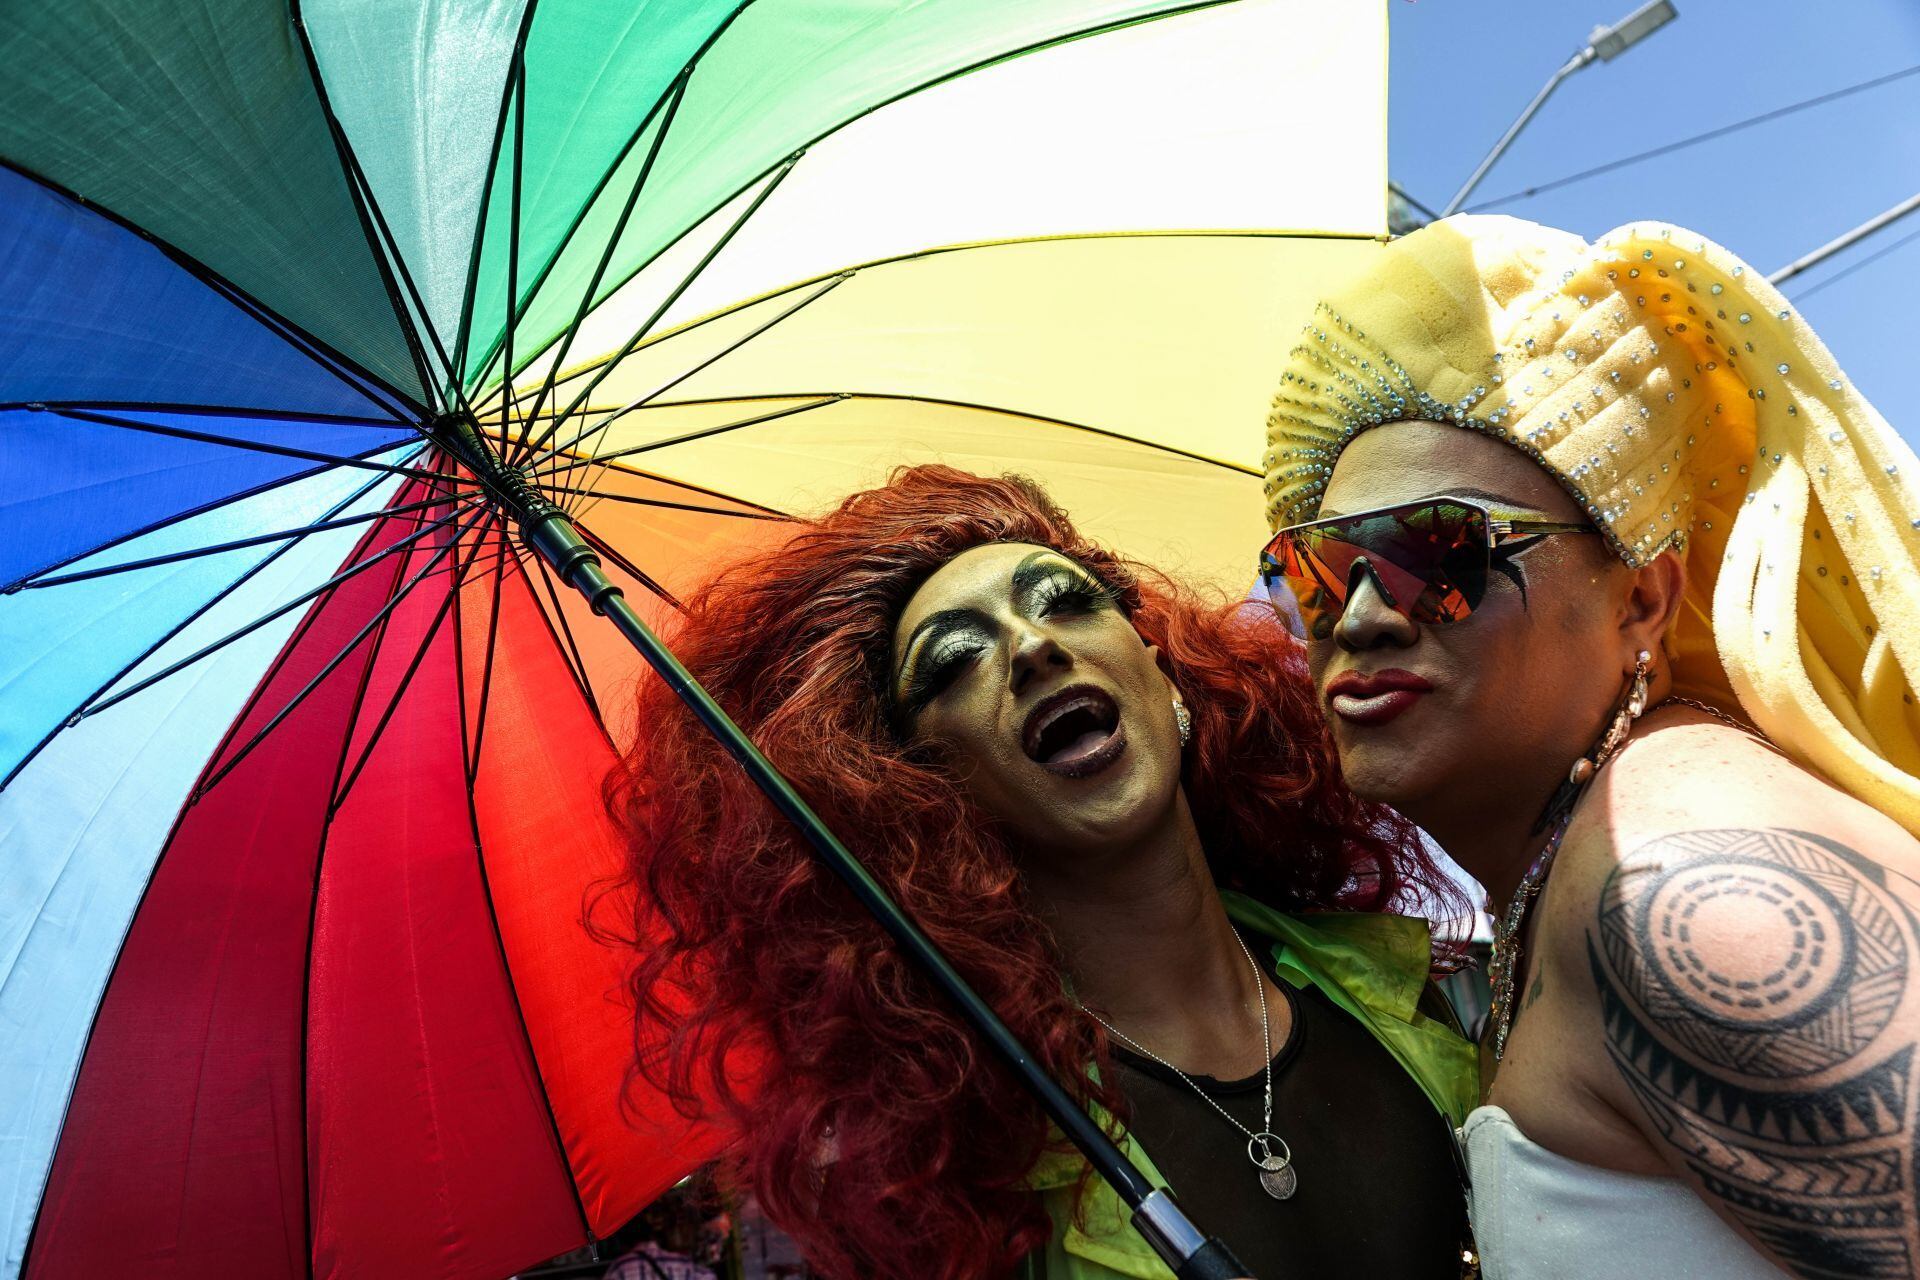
1604 44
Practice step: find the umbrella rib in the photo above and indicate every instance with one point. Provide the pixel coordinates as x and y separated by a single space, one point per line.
182 625
324 354
676 95
364 189
482 538
605 366
486 669
575 663
975 246
606 178
632 570
301 531
1065 423
339 795
256 446
509 401
606 371
313 894
366 629
665 505
1070 425
204 410
639 334
602 459
689 486
493 918
486 190
413 450
328 586
344 153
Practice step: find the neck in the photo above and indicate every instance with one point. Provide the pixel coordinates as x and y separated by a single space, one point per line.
1495 840
1492 834
1148 943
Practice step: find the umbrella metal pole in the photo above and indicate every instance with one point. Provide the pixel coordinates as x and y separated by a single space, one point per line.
549 532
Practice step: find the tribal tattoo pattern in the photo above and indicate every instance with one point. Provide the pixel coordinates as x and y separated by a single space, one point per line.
1771 1064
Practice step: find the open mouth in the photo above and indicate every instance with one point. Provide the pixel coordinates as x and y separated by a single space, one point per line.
1075 732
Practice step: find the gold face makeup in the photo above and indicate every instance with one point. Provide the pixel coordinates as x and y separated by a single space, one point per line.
1018 668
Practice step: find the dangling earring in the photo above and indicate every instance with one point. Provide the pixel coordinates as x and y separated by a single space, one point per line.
1560 803
1183 718
1586 766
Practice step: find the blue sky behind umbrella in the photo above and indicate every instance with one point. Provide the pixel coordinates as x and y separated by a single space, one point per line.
1462 69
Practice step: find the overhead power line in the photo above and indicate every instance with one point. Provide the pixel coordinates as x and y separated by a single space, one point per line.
1697 139
1848 270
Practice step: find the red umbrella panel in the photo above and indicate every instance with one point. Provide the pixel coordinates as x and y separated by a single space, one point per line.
369 920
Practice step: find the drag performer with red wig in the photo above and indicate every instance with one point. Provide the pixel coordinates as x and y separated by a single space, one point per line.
1115 808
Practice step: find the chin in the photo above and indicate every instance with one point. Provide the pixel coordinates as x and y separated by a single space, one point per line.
1386 776
1091 825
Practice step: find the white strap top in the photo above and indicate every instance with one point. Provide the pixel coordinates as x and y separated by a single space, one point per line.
1538 1215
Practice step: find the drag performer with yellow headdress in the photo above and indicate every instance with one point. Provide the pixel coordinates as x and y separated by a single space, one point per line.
1611 581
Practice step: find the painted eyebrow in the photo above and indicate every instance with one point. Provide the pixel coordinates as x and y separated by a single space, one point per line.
1032 570
1462 491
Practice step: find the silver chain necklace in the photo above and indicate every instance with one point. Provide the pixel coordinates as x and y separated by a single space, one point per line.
1277 1174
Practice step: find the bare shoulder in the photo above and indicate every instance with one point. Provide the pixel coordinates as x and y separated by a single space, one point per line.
1696 793
1749 935
1693 774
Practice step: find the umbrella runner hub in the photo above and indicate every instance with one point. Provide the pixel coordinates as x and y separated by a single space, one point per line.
507 486
545 528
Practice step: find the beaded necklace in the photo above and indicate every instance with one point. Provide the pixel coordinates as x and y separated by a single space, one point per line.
1504 967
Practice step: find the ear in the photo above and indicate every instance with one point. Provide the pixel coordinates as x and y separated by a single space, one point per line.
1159 659
1652 602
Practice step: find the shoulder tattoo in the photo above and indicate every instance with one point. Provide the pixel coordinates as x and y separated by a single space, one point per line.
1749 983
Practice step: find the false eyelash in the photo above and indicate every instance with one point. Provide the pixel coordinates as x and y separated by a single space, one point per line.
936 673
1081 588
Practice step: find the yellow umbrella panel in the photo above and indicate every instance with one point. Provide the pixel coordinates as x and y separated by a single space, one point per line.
1128 373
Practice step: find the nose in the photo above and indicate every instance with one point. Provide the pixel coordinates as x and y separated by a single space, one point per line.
1036 651
1369 621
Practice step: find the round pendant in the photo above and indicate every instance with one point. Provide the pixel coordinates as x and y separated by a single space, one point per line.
1280 1183
1277 1177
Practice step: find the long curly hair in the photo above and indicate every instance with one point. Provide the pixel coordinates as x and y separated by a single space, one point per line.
874 1128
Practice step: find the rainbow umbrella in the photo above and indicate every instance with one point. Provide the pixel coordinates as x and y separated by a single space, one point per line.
300 747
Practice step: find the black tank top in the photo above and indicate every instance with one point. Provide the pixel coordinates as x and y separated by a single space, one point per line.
1379 1194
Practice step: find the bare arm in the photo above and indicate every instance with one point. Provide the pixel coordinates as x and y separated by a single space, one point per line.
1754 988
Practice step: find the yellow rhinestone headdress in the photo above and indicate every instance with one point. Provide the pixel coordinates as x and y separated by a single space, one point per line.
1685 405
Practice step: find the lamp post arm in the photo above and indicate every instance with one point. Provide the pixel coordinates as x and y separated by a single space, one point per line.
1572 65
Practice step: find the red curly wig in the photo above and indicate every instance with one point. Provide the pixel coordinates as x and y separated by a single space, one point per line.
879 1134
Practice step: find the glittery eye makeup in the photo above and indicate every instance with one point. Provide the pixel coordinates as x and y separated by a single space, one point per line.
1044 585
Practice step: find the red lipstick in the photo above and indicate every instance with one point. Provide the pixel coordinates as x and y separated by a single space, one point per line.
1374 698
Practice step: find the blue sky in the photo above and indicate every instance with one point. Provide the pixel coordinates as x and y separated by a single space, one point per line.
1462 69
